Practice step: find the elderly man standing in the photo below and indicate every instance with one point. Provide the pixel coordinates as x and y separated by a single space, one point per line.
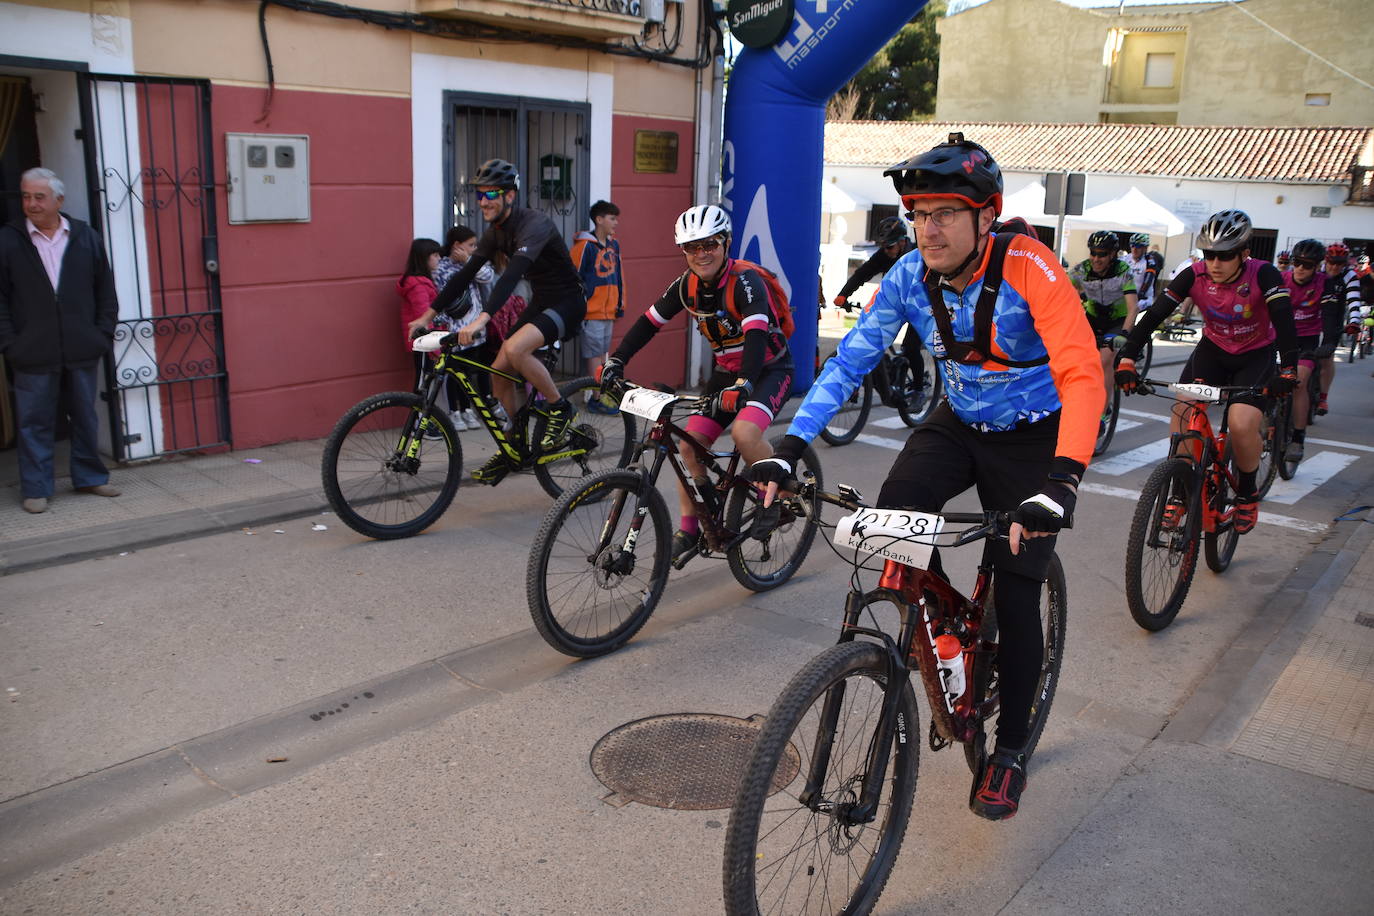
57 319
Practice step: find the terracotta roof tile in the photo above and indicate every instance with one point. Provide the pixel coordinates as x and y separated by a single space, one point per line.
1302 155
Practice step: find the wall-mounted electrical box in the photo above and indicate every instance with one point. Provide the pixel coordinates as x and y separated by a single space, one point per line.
269 178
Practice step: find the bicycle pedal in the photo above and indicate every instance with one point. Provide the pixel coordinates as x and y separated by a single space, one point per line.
936 742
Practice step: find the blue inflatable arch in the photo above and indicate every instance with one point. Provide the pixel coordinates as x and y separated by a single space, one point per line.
774 143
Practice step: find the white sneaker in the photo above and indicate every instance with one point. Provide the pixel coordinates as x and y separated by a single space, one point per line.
470 418
459 423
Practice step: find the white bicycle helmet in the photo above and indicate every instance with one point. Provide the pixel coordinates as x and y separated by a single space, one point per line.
700 222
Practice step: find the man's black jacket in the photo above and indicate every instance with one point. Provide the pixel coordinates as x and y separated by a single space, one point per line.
41 331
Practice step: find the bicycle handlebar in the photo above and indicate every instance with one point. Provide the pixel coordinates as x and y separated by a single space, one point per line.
988 523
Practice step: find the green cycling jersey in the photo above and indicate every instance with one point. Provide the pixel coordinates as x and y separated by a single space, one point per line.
1104 295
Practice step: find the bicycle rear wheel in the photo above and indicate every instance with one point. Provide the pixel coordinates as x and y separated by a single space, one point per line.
1219 546
917 401
788 849
1054 609
1161 551
1271 449
382 477
1283 436
844 427
596 442
588 594
761 563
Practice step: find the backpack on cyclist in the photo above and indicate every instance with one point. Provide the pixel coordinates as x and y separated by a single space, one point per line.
777 299
979 349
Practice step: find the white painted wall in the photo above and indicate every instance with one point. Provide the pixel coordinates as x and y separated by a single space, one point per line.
431 75
95 37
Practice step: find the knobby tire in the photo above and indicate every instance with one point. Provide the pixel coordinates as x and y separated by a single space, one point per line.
763 563
1160 559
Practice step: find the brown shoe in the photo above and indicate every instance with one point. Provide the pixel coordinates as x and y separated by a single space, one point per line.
100 489
36 505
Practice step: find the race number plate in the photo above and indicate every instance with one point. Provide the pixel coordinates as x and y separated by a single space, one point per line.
646 402
1208 393
892 534
429 342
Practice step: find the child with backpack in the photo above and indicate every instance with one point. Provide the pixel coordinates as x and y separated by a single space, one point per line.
741 310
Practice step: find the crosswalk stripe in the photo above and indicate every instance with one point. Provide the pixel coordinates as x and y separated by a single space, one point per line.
1123 425
1265 517
893 422
1142 414
1312 473
881 441
1334 444
1125 462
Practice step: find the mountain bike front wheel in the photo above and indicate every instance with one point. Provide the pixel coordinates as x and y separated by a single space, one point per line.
794 846
1054 610
591 588
769 558
388 470
1106 427
1161 550
596 441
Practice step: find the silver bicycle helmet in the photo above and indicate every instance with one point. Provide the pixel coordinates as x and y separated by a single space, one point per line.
700 222
496 173
1140 240
1228 230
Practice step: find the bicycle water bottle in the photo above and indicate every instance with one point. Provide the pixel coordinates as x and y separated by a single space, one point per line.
950 656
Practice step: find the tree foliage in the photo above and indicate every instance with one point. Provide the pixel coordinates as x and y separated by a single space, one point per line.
898 84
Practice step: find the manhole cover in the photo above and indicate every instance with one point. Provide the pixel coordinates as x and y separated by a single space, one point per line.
685 761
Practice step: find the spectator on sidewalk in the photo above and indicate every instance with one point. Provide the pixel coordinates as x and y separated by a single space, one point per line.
416 288
461 242
596 255
57 320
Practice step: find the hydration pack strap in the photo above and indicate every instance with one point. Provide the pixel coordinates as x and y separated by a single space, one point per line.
979 349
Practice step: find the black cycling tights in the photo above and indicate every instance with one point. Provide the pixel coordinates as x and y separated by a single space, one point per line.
1020 652
1020 649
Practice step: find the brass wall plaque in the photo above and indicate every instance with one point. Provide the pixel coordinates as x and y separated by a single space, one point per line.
656 151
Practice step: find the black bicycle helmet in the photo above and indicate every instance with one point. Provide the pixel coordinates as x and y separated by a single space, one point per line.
957 168
1309 250
1104 240
891 231
1228 230
496 173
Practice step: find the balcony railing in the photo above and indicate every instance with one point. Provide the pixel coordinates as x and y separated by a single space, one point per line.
599 19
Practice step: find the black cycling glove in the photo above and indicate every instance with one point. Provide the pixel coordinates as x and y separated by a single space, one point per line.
1052 508
782 466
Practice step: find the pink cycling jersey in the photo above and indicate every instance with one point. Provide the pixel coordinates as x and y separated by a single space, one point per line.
1307 302
1235 315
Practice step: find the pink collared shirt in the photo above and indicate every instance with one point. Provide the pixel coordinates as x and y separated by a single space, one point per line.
51 250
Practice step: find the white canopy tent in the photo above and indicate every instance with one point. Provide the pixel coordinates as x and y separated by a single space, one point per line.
1131 212
835 199
1027 203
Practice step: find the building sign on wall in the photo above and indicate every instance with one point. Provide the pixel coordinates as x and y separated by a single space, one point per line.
1321 213
1193 212
656 151
759 23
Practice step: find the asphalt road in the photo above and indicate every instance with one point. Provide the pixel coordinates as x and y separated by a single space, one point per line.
463 786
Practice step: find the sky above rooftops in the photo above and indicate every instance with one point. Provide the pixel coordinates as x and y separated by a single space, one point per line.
958 6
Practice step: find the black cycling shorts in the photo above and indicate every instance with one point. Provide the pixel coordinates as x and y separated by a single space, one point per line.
943 457
1211 365
1105 326
769 394
560 321
1307 347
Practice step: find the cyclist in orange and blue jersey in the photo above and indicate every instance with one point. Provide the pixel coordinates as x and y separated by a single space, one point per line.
1019 421
1245 312
1317 321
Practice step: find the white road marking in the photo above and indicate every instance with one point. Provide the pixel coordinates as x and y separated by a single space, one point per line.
893 422
1334 444
1122 425
1142 414
1116 465
1312 473
881 441
1265 517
